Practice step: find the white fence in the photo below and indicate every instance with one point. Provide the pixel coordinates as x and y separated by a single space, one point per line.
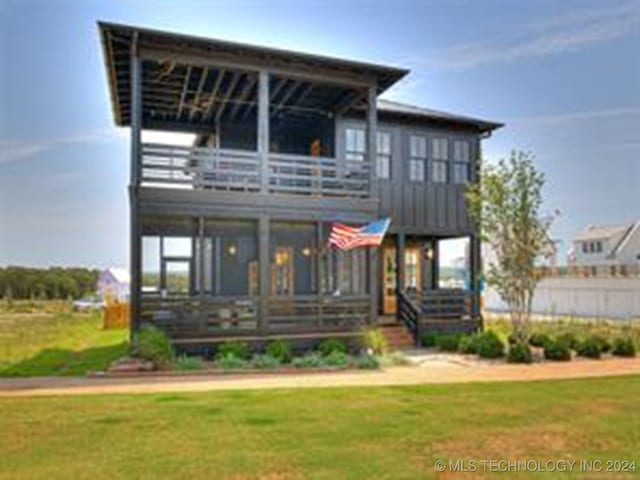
613 297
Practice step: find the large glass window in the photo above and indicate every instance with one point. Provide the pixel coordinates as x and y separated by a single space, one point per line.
417 158
440 157
293 258
230 258
383 164
355 148
461 161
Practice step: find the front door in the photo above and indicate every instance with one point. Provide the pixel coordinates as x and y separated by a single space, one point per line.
389 274
282 272
412 275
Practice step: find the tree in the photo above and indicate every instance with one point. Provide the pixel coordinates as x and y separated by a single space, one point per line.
505 206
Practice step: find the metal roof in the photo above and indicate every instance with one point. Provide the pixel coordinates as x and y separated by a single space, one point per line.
404 109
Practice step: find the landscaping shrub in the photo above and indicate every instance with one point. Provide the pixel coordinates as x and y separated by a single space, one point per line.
154 345
330 345
312 360
590 347
336 359
511 339
281 350
538 339
519 353
429 339
569 339
186 363
230 361
375 341
557 350
449 342
489 345
468 344
236 349
265 361
624 347
367 362
605 344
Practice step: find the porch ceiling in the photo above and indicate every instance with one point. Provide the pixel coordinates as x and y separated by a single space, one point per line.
197 82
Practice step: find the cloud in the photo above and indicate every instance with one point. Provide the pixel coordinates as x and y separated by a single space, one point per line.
577 116
15 150
570 32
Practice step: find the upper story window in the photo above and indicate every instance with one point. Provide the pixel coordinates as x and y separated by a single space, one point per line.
355 146
592 247
417 158
383 164
461 161
439 161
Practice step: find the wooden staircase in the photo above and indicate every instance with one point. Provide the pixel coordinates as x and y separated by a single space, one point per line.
398 337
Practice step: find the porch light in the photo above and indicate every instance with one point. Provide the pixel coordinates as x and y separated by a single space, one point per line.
306 251
430 253
232 249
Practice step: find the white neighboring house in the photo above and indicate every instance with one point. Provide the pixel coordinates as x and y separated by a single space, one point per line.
607 245
114 283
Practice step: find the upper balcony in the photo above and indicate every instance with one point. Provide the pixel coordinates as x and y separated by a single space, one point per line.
263 120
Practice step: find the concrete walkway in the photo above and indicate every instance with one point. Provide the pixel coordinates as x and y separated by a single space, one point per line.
427 369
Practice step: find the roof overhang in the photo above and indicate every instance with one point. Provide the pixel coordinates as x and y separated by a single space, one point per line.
185 62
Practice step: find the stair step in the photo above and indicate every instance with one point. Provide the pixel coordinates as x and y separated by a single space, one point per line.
397 336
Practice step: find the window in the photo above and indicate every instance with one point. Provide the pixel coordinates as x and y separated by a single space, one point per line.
355 144
383 165
461 161
440 155
417 158
585 247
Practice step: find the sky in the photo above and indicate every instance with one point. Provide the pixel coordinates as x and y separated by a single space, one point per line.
563 76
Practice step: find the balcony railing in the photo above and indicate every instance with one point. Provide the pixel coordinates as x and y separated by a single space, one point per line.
240 170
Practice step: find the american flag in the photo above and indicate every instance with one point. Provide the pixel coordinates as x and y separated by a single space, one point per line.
345 237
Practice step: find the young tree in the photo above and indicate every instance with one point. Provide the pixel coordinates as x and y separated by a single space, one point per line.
505 206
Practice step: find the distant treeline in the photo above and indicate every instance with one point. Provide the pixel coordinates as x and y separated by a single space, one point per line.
50 283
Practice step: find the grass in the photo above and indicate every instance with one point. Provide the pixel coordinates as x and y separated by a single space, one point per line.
358 433
49 339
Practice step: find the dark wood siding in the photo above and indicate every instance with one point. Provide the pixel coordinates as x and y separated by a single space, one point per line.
420 207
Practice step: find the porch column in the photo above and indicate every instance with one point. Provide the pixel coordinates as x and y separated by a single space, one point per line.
400 266
319 254
475 272
374 252
435 263
264 270
134 226
263 129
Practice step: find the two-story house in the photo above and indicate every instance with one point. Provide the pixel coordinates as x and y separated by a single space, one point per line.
607 245
229 235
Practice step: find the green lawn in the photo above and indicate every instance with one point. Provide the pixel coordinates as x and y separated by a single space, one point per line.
359 433
55 341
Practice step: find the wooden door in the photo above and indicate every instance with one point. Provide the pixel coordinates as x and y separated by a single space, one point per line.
282 272
389 272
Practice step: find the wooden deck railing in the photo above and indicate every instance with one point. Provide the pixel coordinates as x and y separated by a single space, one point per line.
240 170
189 316
178 166
298 174
314 313
444 303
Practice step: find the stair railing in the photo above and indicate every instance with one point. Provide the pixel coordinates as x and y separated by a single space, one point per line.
409 314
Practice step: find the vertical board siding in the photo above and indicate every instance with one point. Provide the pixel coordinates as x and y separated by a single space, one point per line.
420 206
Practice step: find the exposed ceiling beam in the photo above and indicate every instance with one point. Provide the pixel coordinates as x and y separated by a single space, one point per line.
286 96
251 81
227 95
196 100
281 83
184 92
212 100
